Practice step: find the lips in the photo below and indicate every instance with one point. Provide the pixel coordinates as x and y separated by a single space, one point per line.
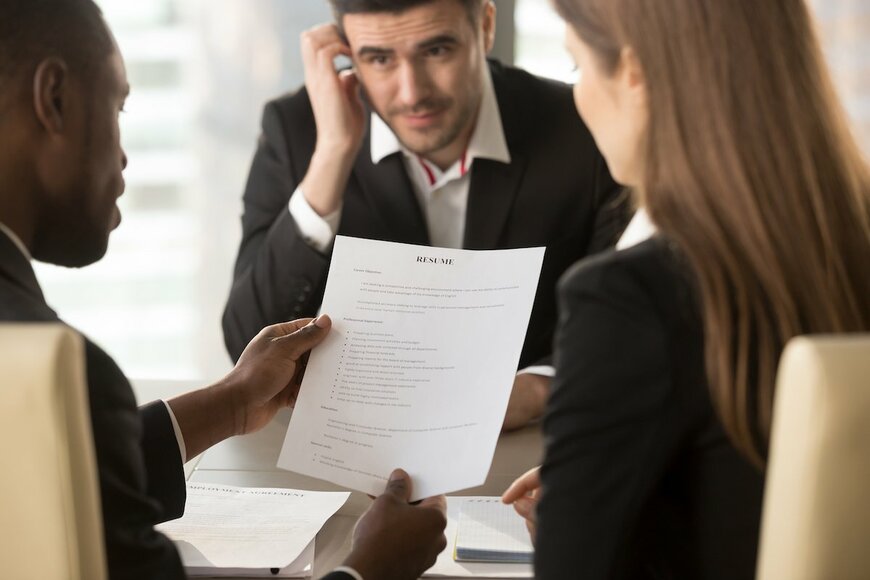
419 121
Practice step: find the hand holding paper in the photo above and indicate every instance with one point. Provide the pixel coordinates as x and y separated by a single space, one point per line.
394 539
418 367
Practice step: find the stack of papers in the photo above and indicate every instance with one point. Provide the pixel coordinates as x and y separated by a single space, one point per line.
490 528
250 532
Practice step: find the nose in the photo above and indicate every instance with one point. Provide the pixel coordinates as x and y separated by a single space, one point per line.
123 159
413 84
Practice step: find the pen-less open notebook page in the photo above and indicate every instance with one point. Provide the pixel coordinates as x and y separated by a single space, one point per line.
446 566
418 368
490 531
227 527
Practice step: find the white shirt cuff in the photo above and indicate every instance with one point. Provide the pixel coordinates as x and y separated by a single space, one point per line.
543 370
318 231
347 570
182 449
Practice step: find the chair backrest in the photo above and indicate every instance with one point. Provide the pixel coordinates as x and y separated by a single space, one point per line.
50 519
816 521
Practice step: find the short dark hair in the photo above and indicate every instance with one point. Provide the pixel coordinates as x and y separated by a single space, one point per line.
33 30
342 7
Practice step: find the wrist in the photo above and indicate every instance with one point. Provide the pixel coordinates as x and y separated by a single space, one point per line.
230 405
361 565
336 148
326 180
205 417
541 388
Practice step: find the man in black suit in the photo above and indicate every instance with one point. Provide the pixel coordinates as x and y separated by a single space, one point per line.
62 86
424 142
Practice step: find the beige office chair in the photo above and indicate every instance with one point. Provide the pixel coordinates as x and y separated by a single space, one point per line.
816 522
50 520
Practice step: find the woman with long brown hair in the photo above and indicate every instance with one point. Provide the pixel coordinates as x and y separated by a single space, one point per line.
722 119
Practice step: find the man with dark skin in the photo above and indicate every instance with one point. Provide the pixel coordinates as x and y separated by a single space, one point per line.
62 86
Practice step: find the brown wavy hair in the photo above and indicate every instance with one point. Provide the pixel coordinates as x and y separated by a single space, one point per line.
752 172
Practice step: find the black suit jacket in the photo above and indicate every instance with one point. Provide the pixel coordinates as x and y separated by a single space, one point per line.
140 472
639 478
556 192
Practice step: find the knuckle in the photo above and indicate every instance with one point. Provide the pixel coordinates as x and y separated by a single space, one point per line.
442 543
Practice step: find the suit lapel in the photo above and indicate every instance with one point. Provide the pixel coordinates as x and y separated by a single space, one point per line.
387 188
491 196
17 269
494 185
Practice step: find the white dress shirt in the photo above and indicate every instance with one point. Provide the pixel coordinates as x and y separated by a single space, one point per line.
443 195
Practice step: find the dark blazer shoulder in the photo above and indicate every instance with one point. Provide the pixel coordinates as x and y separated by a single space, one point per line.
294 106
652 271
524 83
537 112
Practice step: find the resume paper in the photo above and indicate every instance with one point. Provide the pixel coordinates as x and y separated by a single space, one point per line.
418 368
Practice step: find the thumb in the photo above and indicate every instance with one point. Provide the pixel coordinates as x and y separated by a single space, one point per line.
298 343
399 485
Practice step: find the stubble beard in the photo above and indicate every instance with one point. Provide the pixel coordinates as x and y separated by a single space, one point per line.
427 142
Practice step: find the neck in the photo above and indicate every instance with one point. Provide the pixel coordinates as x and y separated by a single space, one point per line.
16 208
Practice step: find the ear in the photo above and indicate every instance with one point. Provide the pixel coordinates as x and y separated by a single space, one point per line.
487 22
51 94
632 78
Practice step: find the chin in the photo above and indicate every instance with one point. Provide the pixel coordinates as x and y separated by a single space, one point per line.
619 173
71 253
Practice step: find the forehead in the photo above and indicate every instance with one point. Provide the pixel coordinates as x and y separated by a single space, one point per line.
394 30
113 73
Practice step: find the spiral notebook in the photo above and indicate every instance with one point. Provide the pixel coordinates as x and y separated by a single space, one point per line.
490 531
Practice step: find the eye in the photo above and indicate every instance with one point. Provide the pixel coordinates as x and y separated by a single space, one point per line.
379 60
437 51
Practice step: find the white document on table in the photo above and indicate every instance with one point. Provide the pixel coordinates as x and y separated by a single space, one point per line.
257 529
445 565
418 368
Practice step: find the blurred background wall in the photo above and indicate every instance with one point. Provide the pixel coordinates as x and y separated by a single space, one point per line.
201 71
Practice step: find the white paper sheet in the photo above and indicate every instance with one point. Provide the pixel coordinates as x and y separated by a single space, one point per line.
197 567
447 566
257 528
418 368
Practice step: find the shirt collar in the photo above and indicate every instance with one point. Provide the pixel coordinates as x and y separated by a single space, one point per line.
487 142
15 240
639 229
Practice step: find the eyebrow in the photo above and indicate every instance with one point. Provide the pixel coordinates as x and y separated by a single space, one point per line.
439 40
374 51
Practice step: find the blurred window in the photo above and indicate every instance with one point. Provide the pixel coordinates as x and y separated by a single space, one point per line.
845 33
